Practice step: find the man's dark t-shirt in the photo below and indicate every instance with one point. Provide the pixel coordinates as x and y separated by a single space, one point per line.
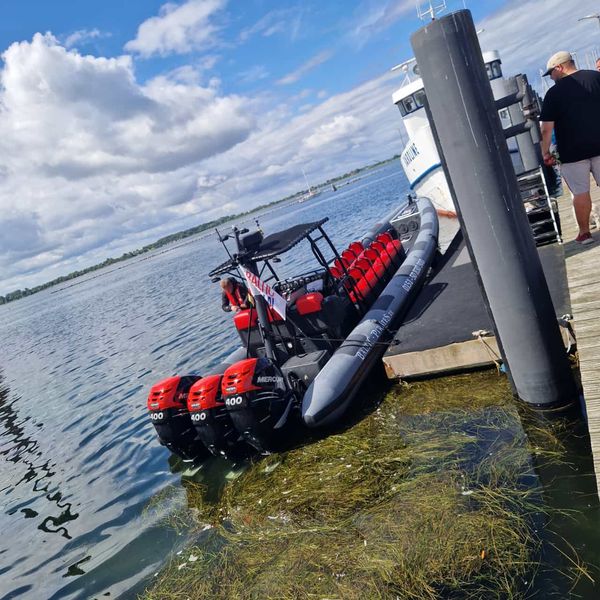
573 103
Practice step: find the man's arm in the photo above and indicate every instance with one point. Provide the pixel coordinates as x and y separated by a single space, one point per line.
225 302
547 128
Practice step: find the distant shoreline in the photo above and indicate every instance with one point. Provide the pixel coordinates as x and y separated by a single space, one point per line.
180 235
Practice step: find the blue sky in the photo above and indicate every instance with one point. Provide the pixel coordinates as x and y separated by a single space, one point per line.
121 122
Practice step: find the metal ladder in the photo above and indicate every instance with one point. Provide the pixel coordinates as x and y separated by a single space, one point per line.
542 210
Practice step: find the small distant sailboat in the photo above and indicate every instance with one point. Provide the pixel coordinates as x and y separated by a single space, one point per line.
312 192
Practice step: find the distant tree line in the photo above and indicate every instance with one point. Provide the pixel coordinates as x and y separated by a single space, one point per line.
17 294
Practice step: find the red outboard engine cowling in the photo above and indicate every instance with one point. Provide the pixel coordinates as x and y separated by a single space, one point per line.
257 398
167 403
211 418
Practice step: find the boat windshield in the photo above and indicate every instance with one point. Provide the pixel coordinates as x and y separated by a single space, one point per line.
412 103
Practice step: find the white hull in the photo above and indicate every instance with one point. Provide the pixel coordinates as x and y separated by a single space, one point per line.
435 187
423 168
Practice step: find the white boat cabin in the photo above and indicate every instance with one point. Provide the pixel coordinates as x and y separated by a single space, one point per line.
420 159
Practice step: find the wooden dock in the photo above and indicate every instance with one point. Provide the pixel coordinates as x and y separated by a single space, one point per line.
583 275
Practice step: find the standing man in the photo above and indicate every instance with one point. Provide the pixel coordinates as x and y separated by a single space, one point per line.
572 109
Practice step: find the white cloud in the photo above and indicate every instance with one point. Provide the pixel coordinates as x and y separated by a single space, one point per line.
526 34
83 36
309 65
93 164
178 29
375 17
254 74
346 131
340 126
285 21
90 159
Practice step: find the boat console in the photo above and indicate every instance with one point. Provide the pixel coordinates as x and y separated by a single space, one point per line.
313 281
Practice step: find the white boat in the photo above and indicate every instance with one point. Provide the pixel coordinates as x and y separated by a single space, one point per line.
420 159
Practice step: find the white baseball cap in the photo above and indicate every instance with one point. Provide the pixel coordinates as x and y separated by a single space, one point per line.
557 59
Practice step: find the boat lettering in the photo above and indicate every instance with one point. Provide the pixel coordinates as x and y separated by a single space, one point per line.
257 286
412 277
234 401
410 154
201 416
374 335
269 379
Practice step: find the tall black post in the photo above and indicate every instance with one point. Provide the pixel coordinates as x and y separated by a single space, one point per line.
491 210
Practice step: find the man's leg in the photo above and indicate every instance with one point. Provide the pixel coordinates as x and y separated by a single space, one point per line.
577 178
582 203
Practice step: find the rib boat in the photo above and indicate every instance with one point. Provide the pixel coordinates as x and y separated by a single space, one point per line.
307 342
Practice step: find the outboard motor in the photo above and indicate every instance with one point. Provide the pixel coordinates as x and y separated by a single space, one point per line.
167 403
211 418
257 398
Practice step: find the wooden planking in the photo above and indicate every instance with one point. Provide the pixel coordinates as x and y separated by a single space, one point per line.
444 359
583 274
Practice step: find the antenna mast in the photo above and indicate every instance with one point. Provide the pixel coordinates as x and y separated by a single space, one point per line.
430 9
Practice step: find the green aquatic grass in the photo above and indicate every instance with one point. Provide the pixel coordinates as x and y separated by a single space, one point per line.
432 495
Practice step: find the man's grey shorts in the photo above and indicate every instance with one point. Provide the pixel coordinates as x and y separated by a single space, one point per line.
577 174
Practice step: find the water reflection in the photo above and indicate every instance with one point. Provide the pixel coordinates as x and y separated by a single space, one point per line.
22 449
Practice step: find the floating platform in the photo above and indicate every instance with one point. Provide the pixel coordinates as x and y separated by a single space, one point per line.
448 328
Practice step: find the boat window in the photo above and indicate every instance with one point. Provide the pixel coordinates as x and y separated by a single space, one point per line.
420 98
409 104
493 69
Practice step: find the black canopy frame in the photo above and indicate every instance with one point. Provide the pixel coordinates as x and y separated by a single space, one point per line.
279 243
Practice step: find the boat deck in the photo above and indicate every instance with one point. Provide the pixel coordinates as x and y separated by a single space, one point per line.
583 275
448 328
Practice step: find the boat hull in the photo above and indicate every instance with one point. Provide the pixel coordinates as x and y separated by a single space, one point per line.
329 395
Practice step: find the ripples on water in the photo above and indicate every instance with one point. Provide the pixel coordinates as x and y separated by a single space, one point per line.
79 458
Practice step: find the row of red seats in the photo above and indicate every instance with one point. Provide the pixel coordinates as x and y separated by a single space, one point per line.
367 267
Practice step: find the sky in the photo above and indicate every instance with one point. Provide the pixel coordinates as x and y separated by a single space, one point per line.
122 122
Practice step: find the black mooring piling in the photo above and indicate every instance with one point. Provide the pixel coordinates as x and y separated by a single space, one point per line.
490 209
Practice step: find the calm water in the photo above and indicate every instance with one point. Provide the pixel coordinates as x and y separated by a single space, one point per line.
79 460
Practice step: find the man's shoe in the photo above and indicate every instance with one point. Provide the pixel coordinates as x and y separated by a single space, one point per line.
585 238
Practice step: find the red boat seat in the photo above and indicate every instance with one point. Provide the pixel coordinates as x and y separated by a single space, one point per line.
339 265
381 250
376 263
309 303
336 272
392 245
361 288
356 247
245 319
348 257
368 272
